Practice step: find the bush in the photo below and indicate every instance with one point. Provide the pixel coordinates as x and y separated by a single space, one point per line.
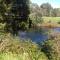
52 49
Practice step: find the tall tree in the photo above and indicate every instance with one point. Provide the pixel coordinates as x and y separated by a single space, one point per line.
20 10
15 14
56 12
35 14
46 9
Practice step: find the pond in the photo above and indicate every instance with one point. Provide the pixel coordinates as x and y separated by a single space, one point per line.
37 36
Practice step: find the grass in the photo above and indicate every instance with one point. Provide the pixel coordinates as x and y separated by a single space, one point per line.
50 22
25 56
13 48
9 56
52 19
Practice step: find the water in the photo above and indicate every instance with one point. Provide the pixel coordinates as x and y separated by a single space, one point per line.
37 36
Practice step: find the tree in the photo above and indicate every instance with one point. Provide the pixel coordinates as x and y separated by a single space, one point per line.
21 12
56 12
35 15
14 12
46 9
5 7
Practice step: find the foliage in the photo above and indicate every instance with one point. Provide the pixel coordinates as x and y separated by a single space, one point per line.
13 48
24 56
58 22
52 48
35 14
45 9
51 19
13 13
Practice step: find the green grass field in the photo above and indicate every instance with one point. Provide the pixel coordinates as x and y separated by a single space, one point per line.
51 19
50 22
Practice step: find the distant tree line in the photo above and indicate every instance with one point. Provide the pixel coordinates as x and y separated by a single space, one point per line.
44 9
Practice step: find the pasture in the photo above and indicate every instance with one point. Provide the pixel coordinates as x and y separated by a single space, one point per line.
51 19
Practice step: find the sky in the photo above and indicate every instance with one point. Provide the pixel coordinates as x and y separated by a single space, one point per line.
54 3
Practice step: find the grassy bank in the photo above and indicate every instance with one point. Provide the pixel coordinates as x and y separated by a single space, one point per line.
13 48
50 22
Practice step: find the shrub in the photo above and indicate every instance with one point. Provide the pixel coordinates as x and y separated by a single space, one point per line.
52 49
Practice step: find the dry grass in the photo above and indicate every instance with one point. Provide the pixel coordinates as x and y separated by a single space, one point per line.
12 48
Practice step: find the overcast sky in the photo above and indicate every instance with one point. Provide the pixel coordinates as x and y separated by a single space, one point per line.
54 3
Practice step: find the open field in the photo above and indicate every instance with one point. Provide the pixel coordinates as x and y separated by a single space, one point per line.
50 22
51 19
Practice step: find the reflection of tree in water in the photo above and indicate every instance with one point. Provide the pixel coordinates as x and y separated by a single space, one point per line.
30 23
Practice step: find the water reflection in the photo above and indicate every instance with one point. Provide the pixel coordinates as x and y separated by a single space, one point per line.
35 35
